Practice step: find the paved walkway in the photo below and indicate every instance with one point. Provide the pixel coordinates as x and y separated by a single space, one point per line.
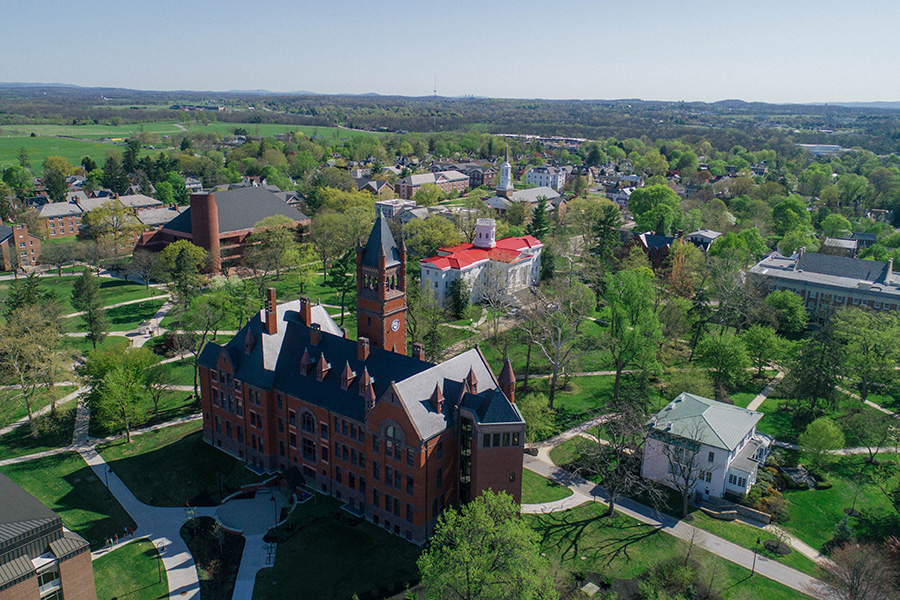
714 544
138 301
767 391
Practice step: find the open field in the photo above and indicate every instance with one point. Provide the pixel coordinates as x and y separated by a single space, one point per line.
537 489
54 431
113 291
68 486
12 409
131 572
173 465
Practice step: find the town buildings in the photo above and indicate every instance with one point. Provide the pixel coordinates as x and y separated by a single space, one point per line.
552 177
703 238
62 219
221 222
506 193
488 266
826 281
447 181
39 560
18 248
479 173
397 438
656 247
711 445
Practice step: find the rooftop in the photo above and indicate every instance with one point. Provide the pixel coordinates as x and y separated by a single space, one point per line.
240 209
706 421
507 250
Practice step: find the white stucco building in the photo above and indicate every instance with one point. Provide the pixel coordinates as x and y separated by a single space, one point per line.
509 265
552 177
717 442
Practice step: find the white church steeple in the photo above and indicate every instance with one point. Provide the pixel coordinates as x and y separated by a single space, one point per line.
505 186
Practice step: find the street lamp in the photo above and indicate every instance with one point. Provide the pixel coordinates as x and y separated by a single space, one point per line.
106 473
755 551
160 548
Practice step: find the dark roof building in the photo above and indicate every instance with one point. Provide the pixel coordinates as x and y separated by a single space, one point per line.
221 222
396 437
39 560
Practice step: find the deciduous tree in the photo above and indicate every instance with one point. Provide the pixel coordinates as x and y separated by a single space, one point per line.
86 298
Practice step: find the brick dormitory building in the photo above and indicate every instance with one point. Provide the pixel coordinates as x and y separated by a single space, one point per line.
395 437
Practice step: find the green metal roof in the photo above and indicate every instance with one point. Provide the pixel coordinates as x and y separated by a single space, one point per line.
706 421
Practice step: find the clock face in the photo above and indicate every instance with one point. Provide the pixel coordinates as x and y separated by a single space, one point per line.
395 325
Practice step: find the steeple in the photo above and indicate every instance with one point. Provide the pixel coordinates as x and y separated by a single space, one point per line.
505 185
381 289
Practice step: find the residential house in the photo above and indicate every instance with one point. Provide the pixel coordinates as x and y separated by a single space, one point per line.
552 177
826 282
380 189
396 438
703 238
656 247
39 558
712 445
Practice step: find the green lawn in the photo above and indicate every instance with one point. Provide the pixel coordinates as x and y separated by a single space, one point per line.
172 405
123 318
40 148
68 486
113 291
131 572
537 489
80 345
174 465
583 399
12 408
333 555
182 372
567 451
581 540
55 431
814 513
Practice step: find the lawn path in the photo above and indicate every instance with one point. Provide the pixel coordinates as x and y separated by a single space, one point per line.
718 546
138 301
767 391
42 411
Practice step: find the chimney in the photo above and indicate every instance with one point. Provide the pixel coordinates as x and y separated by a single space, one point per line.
347 376
305 311
471 381
508 381
205 226
271 312
437 398
362 348
305 362
418 350
315 334
322 368
249 342
890 270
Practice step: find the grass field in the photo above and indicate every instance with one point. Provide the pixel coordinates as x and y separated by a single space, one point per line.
537 489
333 555
581 540
12 409
80 345
124 318
131 572
172 405
55 431
174 465
113 291
68 486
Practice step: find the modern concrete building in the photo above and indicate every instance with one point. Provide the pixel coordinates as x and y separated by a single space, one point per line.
826 281
39 560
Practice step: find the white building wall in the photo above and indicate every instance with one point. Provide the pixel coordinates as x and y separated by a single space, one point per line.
655 467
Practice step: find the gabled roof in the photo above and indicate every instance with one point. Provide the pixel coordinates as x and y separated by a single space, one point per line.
240 209
381 240
139 201
59 209
5 232
507 250
706 421
651 241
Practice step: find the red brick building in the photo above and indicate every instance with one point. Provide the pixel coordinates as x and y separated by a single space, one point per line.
399 439
447 181
39 560
18 248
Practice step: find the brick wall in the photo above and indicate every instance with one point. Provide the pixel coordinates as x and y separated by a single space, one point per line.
77 577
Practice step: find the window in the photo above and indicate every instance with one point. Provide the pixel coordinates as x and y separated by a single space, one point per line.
512 476
409 485
440 473
218 425
309 450
292 418
362 436
309 423
352 432
409 516
376 470
351 481
375 498
496 439
362 485
712 457
281 447
337 475
708 477
440 450
345 455
323 431
515 438
324 450
293 440
397 479
215 397
352 456
344 427
375 443
362 459
487 440
388 475
228 428
280 425
240 434
280 402
410 460
506 439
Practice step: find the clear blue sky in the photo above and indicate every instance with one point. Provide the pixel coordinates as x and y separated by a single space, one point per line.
773 51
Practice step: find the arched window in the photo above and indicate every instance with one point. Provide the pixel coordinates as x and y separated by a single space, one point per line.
308 423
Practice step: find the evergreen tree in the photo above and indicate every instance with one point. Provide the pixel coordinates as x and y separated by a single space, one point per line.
460 298
540 224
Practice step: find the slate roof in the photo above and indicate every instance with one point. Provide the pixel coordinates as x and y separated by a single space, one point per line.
59 209
159 216
274 362
703 420
651 241
139 201
381 240
241 209
5 232
841 266
20 512
89 204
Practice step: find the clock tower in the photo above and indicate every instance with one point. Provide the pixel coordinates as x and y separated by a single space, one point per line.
381 289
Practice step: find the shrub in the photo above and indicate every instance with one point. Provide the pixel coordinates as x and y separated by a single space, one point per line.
777 508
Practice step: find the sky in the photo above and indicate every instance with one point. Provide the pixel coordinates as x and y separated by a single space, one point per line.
760 50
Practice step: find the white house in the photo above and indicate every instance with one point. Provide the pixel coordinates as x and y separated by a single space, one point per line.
507 265
552 177
716 442
703 238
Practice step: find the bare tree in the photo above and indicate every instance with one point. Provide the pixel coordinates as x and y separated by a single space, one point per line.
493 286
685 464
857 572
144 265
560 311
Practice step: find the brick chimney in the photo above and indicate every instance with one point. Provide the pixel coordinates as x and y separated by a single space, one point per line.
271 324
322 368
437 398
508 381
306 310
418 351
362 348
205 226
315 334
